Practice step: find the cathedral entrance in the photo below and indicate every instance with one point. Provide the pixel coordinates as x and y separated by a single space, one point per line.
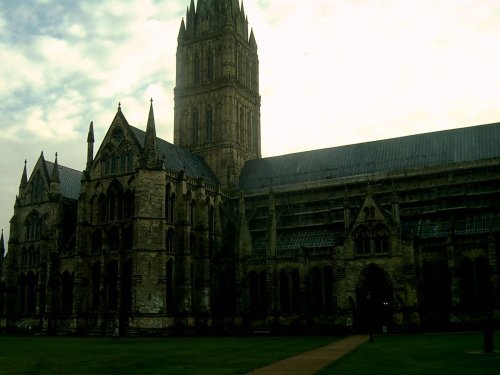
374 300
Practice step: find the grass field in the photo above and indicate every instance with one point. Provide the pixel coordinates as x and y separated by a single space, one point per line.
193 355
428 354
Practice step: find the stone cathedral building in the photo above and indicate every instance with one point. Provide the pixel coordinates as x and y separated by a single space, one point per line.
205 235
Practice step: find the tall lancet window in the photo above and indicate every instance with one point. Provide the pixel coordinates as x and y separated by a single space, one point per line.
210 124
242 126
210 66
37 188
196 126
197 70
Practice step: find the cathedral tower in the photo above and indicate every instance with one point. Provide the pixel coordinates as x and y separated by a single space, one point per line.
217 101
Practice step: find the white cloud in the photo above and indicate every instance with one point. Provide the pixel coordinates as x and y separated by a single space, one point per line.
336 72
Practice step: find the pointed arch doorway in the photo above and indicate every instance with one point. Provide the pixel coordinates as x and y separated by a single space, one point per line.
374 300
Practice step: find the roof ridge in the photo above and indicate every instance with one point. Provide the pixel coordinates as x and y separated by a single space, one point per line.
411 152
383 140
63 166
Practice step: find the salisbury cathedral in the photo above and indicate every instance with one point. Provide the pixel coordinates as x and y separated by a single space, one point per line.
205 235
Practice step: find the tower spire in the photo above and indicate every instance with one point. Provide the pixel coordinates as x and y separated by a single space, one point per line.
90 145
55 182
24 177
150 146
54 177
252 40
182 30
2 251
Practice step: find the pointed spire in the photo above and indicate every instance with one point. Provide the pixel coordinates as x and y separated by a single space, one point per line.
24 177
150 146
54 177
182 30
90 136
2 247
190 18
192 8
90 145
252 40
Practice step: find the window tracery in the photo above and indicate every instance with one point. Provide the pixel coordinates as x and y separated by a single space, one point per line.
117 160
37 188
369 242
33 227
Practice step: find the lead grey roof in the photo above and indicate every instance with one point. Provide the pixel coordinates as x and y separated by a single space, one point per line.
397 154
178 158
70 180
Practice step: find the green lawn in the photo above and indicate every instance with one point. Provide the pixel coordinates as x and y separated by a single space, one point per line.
454 353
193 355
429 354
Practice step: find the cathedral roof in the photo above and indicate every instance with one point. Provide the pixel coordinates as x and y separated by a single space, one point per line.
177 158
70 180
367 159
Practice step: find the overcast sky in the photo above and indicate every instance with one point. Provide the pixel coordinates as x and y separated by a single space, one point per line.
332 72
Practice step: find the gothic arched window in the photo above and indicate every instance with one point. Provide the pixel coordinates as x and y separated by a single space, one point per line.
257 285
115 199
209 124
362 241
284 289
33 227
31 281
168 193
253 291
316 291
381 240
192 213
37 188
197 70
67 292
170 286
328 281
210 66
130 161
196 127
96 286
126 286
242 126
21 288
96 242
112 285
170 241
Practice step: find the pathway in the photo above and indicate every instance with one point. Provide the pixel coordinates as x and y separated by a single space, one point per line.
310 362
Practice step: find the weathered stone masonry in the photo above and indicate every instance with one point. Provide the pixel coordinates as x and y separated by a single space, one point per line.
205 235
